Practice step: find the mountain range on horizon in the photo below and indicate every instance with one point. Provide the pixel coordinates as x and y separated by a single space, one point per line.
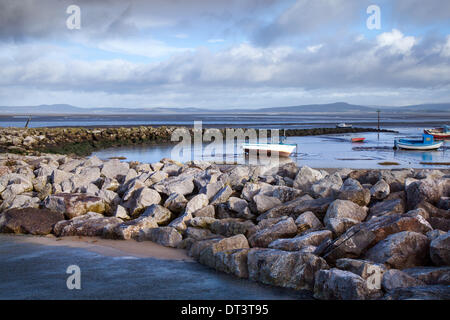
338 107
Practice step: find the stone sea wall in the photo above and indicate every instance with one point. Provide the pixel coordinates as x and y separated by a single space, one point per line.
83 141
348 234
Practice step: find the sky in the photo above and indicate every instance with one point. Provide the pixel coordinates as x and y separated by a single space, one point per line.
223 54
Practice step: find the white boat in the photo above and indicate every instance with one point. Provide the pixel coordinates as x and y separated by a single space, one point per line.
283 149
344 125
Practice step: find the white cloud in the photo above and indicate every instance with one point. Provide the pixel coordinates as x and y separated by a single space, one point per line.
314 49
396 42
445 52
141 47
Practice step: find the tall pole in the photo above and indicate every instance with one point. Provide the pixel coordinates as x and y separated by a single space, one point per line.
378 111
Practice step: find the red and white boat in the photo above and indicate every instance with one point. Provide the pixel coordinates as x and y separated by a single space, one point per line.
439 133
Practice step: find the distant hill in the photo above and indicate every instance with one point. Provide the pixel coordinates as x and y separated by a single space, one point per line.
338 107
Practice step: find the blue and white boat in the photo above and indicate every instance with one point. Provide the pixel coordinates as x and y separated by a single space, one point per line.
426 143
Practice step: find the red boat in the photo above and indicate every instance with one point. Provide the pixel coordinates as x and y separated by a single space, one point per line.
358 139
439 133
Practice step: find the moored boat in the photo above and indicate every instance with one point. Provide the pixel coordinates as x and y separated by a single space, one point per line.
439 133
283 149
426 143
344 125
358 139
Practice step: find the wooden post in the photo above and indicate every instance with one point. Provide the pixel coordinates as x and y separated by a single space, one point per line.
28 121
378 112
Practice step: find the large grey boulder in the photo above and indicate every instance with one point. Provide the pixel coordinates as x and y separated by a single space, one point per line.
306 177
14 184
335 284
251 189
176 203
440 250
182 184
29 220
436 292
25 200
130 229
74 204
359 238
233 262
161 214
393 279
387 207
352 190
430 275
208 211
264 203
222 195
201 222
90 174
429 190
209 253
59 176
238 176
308 220
369 271
401 250
141 199
196 203
329 186
232 226
180 222
284 269
165 236
91 224
380 190
298 206
211 189
115 169
238 205
285 228
314 238
343 214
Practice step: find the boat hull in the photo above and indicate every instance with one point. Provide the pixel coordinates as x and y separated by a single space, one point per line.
284 150
407 146
358 139
438 135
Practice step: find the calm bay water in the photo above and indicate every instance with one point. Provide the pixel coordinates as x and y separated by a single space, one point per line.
326 151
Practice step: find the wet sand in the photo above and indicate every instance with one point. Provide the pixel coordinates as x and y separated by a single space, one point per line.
112 248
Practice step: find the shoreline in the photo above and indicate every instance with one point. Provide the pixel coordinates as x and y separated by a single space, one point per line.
107 247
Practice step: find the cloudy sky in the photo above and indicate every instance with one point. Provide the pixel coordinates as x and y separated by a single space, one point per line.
230 53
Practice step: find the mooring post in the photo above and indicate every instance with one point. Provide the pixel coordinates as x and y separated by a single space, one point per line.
378 111
28 121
